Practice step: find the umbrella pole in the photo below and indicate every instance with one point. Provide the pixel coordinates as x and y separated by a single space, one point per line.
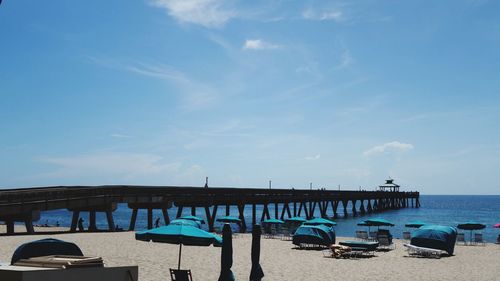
180 252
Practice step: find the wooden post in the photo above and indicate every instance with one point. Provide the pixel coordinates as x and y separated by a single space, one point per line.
92 221
241 209
193 210
111 223
362 207
10 226
179 211
344 204
74 221
150 218
254 214
228 209
133 220
166 218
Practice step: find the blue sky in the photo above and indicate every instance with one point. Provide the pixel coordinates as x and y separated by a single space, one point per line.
166 92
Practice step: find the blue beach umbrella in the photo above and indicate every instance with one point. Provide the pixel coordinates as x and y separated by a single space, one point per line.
193 218
185 222
273 221
415 224
229 219
179 234
296 220
320 221
471 225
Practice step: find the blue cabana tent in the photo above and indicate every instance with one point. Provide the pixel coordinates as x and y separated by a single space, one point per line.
314 234
45 247
435 237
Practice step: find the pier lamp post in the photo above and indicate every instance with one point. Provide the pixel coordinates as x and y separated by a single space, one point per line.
270 182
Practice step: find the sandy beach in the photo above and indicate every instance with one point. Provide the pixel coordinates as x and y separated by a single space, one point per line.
279 259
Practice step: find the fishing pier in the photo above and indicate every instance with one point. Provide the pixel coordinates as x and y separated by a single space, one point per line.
24 205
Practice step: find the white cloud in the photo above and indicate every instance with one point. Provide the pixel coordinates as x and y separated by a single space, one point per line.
208 13
394 146
120 136
315 157
330 14
259 44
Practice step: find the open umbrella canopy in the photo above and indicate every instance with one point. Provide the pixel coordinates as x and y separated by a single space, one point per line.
378 222
179 234
320 221
273 221
193 218
186 222
496 225
229 219
296 219
471 226
415 224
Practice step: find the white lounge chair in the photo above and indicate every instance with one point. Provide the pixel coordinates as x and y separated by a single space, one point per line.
406 235
478 239
461 239
423 252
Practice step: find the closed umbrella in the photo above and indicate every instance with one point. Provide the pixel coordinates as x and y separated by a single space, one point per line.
226 254
179 234
256 272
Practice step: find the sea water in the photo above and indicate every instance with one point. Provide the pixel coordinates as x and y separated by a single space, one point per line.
435 209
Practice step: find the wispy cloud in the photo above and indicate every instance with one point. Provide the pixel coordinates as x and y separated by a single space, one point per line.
394 146
259 44
121 136
325 14
195 95
315 157
208 13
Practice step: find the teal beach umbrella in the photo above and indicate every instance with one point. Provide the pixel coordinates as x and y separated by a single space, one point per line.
320 221
185 222
273 221
295 219
378 222
179 234
472 225
193 218
415 224
229 219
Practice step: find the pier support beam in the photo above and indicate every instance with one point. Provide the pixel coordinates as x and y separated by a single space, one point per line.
93 210
150 207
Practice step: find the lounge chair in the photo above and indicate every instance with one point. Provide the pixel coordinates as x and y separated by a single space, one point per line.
406 235
181 275
385 243
373 235
423 252
461 239
478 239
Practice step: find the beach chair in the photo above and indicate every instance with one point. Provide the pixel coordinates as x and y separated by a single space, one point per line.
358 234
385 243
461 239
181 275
406 235
478 239
373 235
364 235
422 252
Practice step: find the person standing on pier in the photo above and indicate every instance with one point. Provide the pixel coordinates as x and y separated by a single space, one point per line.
80 225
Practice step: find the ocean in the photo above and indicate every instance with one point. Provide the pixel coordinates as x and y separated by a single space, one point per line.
436 209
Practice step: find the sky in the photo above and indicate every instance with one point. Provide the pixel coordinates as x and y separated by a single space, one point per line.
334 93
